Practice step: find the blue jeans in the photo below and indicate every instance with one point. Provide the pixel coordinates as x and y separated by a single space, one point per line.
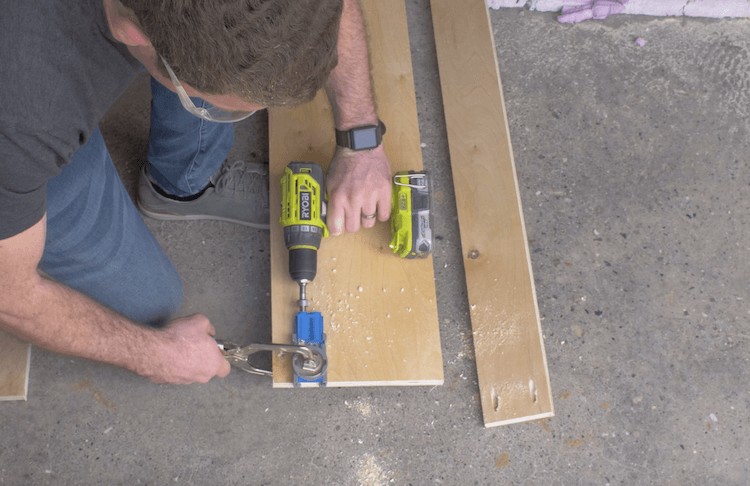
97 242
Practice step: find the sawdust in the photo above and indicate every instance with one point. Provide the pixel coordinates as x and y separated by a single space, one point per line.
575 443
96 394
544 424
369 473
360 406
503 460
583 440
467 348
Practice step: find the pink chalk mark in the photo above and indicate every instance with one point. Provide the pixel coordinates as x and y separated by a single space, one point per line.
591 9
640 42
496 4
573 11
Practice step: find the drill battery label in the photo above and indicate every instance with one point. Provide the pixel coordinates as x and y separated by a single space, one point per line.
424 222
305 205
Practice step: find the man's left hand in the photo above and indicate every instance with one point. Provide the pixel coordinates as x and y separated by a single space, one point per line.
359 185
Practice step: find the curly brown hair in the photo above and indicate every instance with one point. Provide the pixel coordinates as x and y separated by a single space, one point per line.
270 52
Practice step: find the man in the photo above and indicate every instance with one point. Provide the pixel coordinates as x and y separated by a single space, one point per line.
79 271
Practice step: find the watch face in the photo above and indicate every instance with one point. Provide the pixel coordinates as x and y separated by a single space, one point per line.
364 138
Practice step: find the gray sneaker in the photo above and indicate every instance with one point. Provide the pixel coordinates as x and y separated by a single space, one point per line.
238 193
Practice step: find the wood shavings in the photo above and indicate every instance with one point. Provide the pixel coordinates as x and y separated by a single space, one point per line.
369 473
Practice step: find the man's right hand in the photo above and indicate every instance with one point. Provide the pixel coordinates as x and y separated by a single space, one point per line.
189 353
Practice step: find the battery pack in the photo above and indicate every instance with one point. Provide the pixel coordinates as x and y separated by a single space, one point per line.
411 218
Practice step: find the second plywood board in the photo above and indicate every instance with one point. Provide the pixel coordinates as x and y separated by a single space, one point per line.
511 363
14 367
380 311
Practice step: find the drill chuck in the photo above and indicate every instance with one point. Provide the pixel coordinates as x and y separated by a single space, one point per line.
303 264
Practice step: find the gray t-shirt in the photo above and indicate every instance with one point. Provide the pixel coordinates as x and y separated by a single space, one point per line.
60 70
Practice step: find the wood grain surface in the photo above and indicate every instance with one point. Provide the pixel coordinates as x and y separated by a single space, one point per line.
380 311
14 367
511 362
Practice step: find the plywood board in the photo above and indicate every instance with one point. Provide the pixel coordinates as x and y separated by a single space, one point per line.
380 311
511 362
14 367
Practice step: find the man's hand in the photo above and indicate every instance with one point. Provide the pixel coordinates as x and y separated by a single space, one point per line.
359 184
189 353
52 316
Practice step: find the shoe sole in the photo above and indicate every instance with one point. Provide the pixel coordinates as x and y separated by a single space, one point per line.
195 217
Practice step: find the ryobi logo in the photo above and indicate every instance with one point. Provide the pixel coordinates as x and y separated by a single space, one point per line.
305 203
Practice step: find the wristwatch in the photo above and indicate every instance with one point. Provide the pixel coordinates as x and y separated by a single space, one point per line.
366 137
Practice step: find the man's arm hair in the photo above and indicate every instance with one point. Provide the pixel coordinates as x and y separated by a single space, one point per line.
359 183
52 316
349 88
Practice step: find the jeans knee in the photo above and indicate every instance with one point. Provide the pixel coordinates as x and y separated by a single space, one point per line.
167 301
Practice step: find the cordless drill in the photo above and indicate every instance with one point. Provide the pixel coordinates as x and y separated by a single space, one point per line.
303 211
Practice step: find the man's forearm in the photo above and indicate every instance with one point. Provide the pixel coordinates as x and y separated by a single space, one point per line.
62 320
359 182
348 88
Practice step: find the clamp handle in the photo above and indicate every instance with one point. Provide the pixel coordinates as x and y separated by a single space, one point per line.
239 355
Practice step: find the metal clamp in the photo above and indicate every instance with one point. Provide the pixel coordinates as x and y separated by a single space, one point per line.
310 360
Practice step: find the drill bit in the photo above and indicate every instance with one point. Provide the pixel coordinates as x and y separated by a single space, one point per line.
302 302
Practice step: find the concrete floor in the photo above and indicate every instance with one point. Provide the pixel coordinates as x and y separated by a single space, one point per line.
634 177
